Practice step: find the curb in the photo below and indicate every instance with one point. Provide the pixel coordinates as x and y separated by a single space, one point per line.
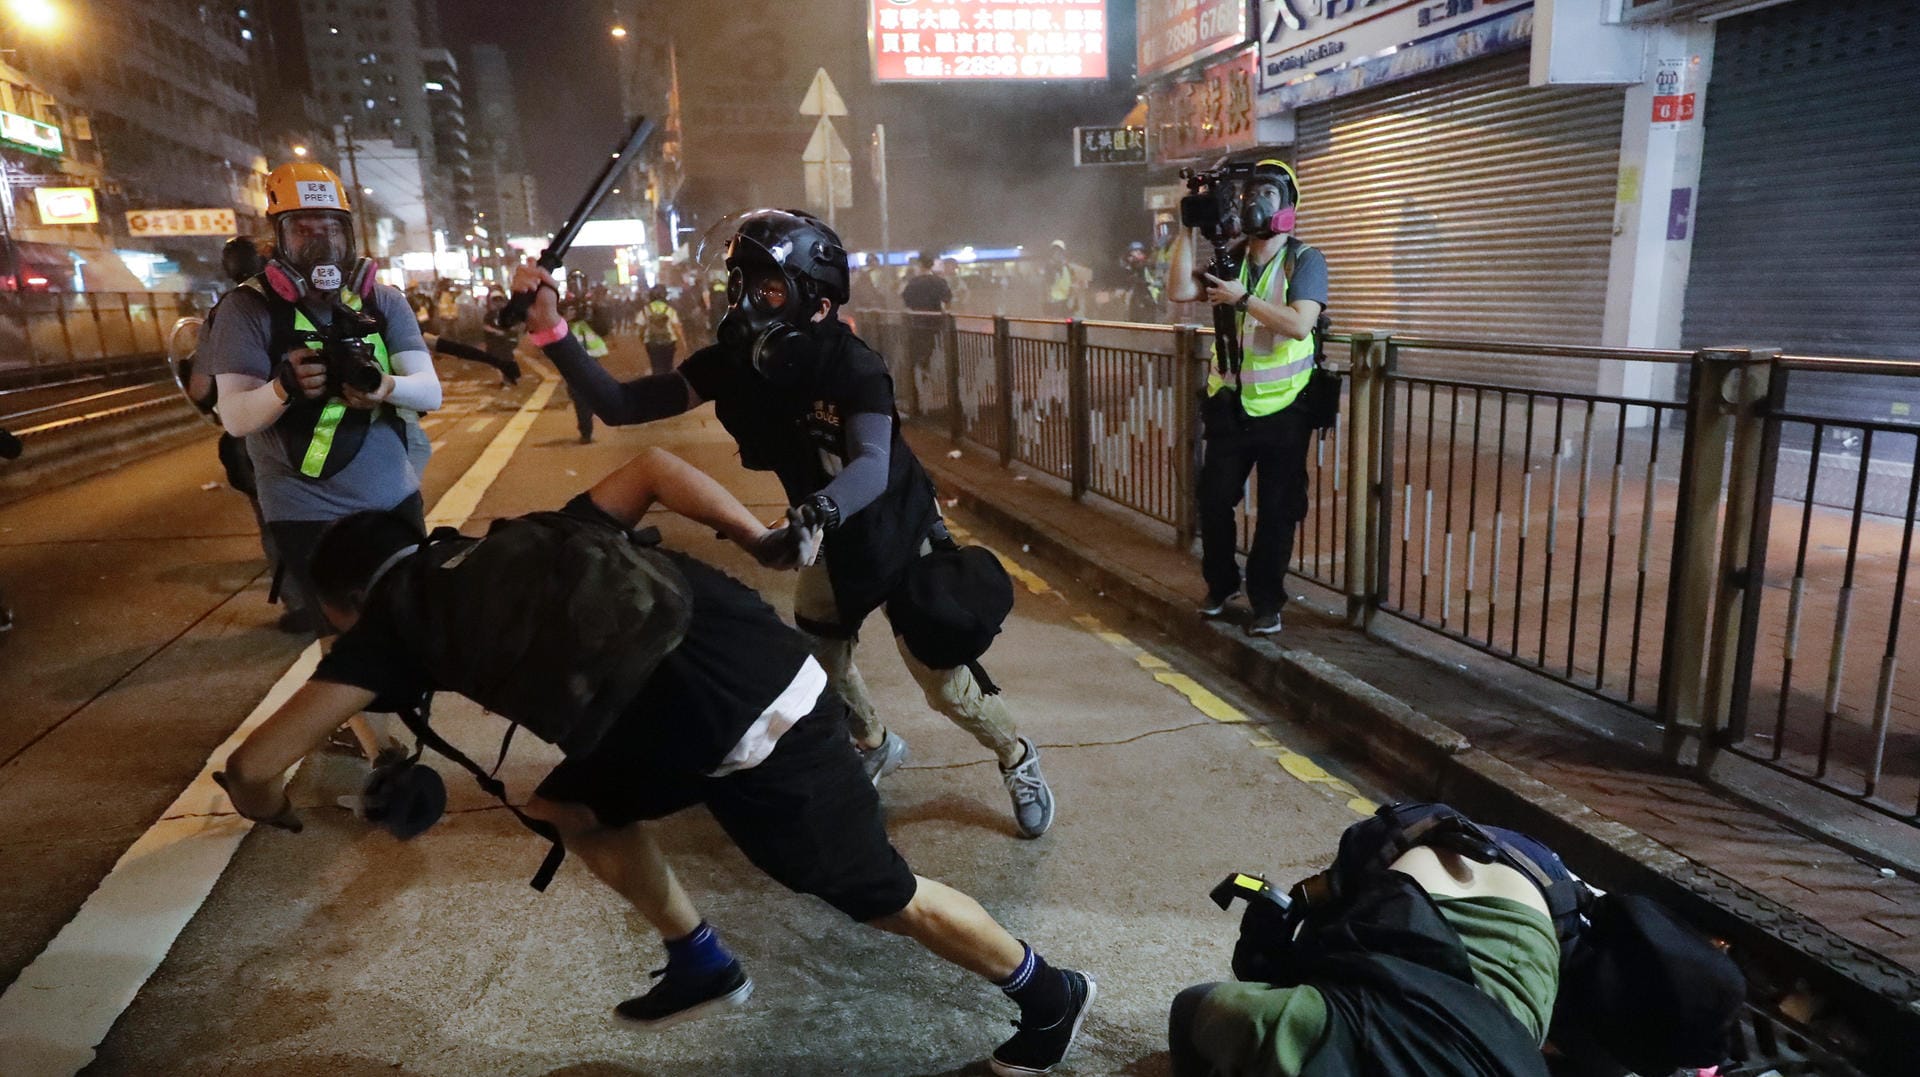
1878 1002
61 458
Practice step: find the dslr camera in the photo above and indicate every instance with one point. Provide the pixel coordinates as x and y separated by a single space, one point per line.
345 350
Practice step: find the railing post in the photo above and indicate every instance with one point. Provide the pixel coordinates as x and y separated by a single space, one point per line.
1359 436
1186 423
950 344
1003 376
1387 352
1714 400
1079 409
1749 509
60 310
126 311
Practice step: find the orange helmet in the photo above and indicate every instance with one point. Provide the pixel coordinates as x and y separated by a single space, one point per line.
305 185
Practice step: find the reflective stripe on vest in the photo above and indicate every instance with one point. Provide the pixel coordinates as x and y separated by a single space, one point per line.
589 339
1273 368
318 449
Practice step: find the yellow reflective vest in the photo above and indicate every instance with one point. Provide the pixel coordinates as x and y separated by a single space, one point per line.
1273 367
320 446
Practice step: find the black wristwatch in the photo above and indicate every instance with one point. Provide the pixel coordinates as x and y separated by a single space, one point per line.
825 511
1240 304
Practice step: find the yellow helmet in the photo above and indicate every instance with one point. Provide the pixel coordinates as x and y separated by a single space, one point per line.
305 185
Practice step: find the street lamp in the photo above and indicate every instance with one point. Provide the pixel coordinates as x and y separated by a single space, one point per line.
617 32
299 151
36 14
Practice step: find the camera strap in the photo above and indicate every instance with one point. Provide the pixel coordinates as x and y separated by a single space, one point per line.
415 719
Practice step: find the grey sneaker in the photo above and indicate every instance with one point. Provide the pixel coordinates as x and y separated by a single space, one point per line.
884 758
1264 624
1032 800
1216 602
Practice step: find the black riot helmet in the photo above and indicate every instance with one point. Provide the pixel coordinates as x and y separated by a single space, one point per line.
780 264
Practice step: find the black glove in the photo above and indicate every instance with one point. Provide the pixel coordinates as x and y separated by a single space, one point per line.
818 511
781 548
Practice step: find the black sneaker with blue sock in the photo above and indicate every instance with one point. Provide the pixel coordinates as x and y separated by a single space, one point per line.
1053 1004
701 976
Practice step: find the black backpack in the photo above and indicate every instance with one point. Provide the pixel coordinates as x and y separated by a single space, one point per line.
551 621
1319 401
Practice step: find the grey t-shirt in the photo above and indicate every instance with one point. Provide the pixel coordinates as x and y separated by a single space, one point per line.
380 476
1309 280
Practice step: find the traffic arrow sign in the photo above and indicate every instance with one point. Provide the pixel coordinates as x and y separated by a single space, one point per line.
822 98
825 146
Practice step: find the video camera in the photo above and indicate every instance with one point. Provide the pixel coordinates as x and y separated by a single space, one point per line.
345 350
1213 202
1267 928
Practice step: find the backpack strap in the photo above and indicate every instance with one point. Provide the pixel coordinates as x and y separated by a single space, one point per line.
415 719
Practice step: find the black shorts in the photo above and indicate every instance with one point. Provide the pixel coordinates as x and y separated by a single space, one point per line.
807 816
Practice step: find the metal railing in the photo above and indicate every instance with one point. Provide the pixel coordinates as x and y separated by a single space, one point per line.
44 331
1686 552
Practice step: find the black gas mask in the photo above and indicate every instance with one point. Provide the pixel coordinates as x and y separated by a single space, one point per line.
780 265
1266 208
768 320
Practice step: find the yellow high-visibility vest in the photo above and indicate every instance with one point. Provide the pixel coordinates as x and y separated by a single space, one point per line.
1273 368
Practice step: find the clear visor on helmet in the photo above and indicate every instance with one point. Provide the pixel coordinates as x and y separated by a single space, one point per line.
313 237
763 289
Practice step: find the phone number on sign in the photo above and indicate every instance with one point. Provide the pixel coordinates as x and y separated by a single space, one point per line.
989 67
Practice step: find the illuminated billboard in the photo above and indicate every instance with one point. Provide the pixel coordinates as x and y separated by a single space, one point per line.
66 205
955 40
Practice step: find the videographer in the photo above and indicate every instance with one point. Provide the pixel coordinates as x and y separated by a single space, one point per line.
1265 314
808 400
319 368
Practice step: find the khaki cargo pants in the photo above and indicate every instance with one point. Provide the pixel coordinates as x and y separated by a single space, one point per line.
953 692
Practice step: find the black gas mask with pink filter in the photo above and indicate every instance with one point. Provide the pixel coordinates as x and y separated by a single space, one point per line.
780 265
1266 206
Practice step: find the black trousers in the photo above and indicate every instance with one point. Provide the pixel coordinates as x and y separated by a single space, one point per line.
294 541
660 357
1273 450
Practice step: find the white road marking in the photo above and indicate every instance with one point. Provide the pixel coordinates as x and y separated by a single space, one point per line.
67 1000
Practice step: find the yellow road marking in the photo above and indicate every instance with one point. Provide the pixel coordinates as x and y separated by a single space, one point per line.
1296 765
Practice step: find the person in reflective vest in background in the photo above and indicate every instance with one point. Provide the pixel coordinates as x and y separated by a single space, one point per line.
576 315
1249 423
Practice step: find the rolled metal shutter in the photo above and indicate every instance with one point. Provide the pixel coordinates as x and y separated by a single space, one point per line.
1809 211
1467 204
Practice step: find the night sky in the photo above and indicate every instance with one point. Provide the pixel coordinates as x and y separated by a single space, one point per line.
982 163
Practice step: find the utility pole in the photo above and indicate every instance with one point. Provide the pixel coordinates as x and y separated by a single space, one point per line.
880 176
353 170
6 230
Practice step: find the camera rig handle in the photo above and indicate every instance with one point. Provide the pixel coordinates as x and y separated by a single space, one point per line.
1251 888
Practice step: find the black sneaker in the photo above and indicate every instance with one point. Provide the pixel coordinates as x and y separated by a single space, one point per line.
1264 624
1215 603
1037 1050
682 997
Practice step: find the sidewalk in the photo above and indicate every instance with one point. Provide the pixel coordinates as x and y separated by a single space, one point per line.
1793 908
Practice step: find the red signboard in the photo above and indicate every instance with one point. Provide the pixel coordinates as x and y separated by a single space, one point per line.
1176 33
1206 115
1673 108
937 40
